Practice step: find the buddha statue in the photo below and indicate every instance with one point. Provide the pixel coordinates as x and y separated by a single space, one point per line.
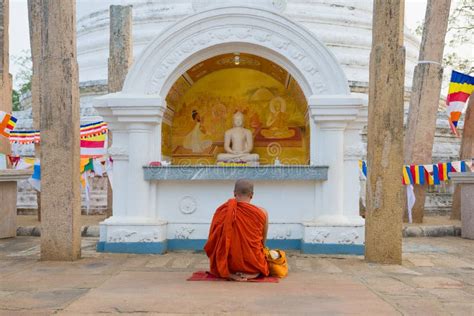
238 143
277 122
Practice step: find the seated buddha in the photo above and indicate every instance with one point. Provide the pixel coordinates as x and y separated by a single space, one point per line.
277 121
238 143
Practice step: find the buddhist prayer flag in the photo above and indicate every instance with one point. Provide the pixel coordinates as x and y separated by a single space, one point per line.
460 88
363 168
94 146
407 176
7 123
436 175
35 179
429 174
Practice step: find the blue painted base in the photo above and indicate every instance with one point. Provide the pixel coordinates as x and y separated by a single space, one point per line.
198 244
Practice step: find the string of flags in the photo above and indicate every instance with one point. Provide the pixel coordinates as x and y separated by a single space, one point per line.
461 87
89 168
93 136
431 174
33 137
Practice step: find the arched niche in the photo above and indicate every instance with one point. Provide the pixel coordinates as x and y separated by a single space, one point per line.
202 102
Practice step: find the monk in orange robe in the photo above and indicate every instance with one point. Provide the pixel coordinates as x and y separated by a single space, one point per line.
237 237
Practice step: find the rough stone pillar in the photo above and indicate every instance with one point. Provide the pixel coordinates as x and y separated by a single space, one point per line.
425 95
383 233
120 60
34 19
466 152
5 78
59 124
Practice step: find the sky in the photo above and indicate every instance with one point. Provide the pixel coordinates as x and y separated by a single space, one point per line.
19 32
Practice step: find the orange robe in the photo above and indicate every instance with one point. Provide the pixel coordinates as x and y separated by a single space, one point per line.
235 241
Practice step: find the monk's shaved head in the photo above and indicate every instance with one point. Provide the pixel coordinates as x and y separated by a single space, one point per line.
243 188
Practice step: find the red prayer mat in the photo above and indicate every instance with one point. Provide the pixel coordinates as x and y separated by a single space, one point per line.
206 276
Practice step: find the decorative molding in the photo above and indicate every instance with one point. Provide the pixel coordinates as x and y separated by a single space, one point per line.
282 234
348 238
211 172
277 5
187 205
255 30
237 33
184 232
319 236
117 152
354 152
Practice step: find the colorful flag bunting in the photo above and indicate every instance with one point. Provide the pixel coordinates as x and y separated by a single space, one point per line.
30 137
432 174
460 88
94 146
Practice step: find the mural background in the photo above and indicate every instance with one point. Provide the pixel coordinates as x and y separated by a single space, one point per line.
276 115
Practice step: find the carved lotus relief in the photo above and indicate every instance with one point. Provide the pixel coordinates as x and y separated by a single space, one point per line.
184 232
349 238
187 205
319 237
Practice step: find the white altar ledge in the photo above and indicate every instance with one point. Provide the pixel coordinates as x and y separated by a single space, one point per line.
287 172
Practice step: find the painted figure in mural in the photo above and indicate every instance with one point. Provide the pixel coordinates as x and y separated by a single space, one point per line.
277 121
238 143
237 237
196 139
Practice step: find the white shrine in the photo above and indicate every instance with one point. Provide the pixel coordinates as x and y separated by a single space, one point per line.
313 207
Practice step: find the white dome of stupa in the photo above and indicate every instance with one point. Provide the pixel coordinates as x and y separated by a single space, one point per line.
344 26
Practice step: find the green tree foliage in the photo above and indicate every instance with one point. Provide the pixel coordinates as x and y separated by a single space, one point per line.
23 77
460 36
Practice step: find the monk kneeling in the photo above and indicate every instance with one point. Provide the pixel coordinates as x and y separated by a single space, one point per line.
237 237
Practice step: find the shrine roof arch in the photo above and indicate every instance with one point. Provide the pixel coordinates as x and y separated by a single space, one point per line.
236 29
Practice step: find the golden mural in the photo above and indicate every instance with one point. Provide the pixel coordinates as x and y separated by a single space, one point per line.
203 111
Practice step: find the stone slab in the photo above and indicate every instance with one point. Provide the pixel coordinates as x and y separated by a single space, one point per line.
169 292
319 173
7 209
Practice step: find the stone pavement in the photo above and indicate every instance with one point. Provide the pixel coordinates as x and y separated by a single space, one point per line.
436 278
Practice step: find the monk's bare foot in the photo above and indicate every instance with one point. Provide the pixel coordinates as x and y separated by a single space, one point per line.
239 276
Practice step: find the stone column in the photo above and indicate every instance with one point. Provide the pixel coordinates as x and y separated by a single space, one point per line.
383 230
34 19
466 152
424 100
120 60
120 46
59 124
5 78
465 181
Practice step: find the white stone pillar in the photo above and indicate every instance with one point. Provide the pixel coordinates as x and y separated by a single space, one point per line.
119 154
353 152
330 152
334 129
134 226
138 190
